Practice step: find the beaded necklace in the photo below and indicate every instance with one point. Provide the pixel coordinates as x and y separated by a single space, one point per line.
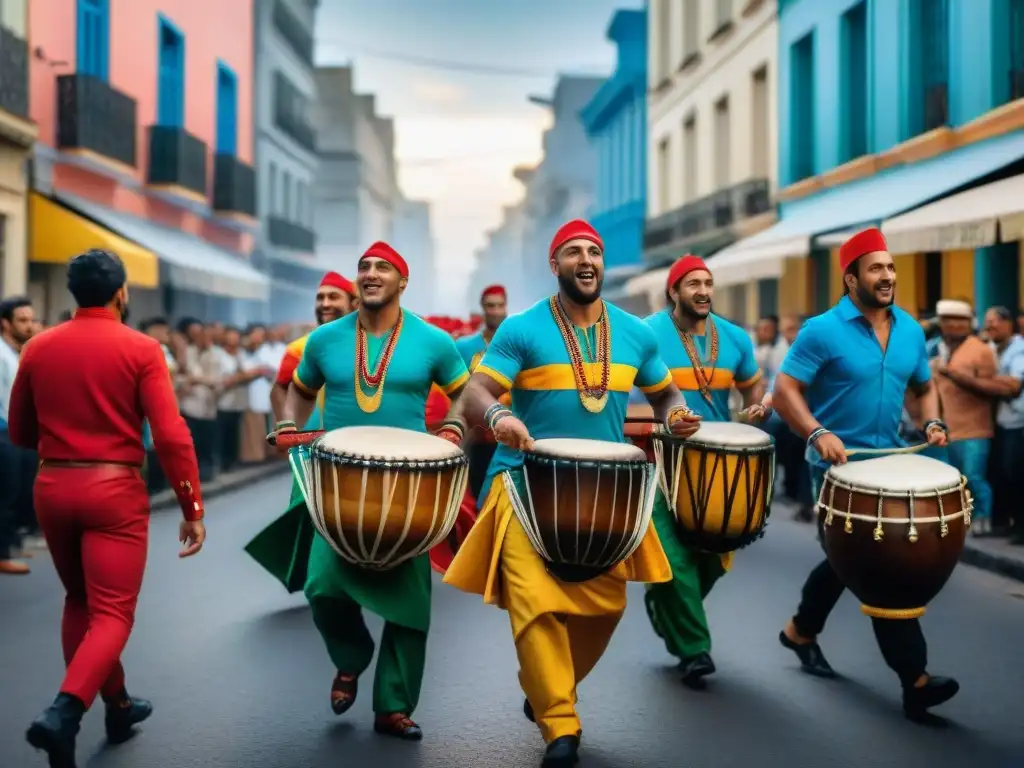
700 372
375 378
593 397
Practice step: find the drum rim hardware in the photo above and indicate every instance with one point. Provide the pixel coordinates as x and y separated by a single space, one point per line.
598 464
319 451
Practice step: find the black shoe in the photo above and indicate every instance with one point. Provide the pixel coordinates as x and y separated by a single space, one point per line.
917 701
563 751
123 716
812 660
695 668
528 711
54 731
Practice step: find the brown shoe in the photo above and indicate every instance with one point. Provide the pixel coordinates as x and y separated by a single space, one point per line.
399 725
14 567
343 692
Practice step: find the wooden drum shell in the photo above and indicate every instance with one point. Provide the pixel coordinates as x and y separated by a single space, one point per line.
896 575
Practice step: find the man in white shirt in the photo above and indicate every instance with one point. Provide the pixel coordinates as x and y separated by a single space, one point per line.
261 359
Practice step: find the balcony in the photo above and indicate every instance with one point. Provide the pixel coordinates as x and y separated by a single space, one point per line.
287 234
291 110
93 117
234 186
176 158
299 39
709 215
14 118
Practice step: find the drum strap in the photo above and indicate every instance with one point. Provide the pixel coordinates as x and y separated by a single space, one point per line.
711 345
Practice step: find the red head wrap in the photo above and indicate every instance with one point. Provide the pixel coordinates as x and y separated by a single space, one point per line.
334 280
683 267
493 290
382 250
575 230
868 241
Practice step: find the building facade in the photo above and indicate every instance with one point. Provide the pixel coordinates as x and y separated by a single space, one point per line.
712 135
888 107
286 154
356 191
17 134
413 237
146 146
505 246
616 123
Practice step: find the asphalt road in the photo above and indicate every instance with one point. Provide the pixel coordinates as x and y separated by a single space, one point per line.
239 678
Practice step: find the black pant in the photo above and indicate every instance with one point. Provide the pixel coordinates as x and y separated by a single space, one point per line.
480 455
1005 462
229 438
204 436
901 641
10 484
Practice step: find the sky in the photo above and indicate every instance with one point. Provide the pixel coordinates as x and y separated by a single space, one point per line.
462 128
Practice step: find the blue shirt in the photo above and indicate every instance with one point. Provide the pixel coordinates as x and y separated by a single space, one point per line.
1010 413
854 389
423 356
734 365
528 357
472 349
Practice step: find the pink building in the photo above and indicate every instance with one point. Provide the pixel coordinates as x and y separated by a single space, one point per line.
145 116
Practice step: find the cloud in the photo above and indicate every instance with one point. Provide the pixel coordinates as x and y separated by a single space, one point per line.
438 92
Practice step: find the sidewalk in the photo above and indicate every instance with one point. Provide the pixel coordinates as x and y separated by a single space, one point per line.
224 483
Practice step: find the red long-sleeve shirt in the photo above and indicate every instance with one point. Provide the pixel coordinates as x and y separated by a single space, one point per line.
82 392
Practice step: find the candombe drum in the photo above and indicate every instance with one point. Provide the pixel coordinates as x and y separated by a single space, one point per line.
893 530
381 495
585 504
719 484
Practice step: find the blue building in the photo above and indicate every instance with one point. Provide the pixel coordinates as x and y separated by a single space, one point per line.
615 120
888 106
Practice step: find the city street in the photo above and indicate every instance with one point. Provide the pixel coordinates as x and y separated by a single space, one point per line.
238 675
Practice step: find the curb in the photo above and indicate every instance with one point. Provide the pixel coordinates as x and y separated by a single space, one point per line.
1010 567
167 500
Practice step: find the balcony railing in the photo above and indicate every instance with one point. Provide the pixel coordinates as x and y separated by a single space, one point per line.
291 110
1016 84
13 74
713 212
176 157
234 186
95 117
936 106
289 235
299 39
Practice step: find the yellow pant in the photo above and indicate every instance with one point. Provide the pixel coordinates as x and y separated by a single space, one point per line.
555 653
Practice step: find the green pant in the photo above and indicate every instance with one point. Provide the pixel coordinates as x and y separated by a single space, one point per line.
676 608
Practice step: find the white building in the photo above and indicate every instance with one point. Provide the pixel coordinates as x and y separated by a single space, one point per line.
356 191
414 239
712 135
286 154
501 259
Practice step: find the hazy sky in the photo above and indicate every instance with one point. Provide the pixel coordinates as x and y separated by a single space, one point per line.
460 128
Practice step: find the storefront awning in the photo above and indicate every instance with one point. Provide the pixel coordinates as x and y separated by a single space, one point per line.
57 235
862 203
188 262
649 285
973 219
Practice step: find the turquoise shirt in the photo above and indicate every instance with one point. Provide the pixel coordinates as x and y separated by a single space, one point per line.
854 389
472 349
424 355
528 357
735 365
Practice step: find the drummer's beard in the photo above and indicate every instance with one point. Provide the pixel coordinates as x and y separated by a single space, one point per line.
692 311
567 284
868 298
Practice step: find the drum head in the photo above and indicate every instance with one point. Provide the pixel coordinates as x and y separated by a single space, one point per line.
897 474
388 444
571 449
729 434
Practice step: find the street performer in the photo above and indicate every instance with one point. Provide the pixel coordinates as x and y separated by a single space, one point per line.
282 548
708 356
842 385
556 359
81 395
376 366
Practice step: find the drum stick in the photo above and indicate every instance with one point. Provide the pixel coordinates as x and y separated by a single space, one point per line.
293 439
886 451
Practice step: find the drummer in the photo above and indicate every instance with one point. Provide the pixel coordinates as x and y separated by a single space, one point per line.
565 383
708 357
395 357
839 388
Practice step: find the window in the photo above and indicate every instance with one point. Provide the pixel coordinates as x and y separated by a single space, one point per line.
300 212
801 122
760 151
664 174
690 159
286 202
930 51
170 110
723 128
854 82
663 18
227 110
1016 29
93 40
272 188
691 28
14 16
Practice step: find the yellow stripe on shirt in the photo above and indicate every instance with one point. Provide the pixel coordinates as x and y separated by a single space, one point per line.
559 376
686 379
459 381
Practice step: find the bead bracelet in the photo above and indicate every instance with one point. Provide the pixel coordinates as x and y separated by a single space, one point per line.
816 435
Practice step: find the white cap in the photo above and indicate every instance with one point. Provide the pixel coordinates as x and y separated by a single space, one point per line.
954 308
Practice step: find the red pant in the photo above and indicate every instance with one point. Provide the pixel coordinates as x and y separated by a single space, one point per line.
96 524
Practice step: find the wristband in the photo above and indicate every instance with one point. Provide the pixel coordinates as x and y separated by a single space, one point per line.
675 413
286 423
816 435
453 425
491 411
498 416
938 423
